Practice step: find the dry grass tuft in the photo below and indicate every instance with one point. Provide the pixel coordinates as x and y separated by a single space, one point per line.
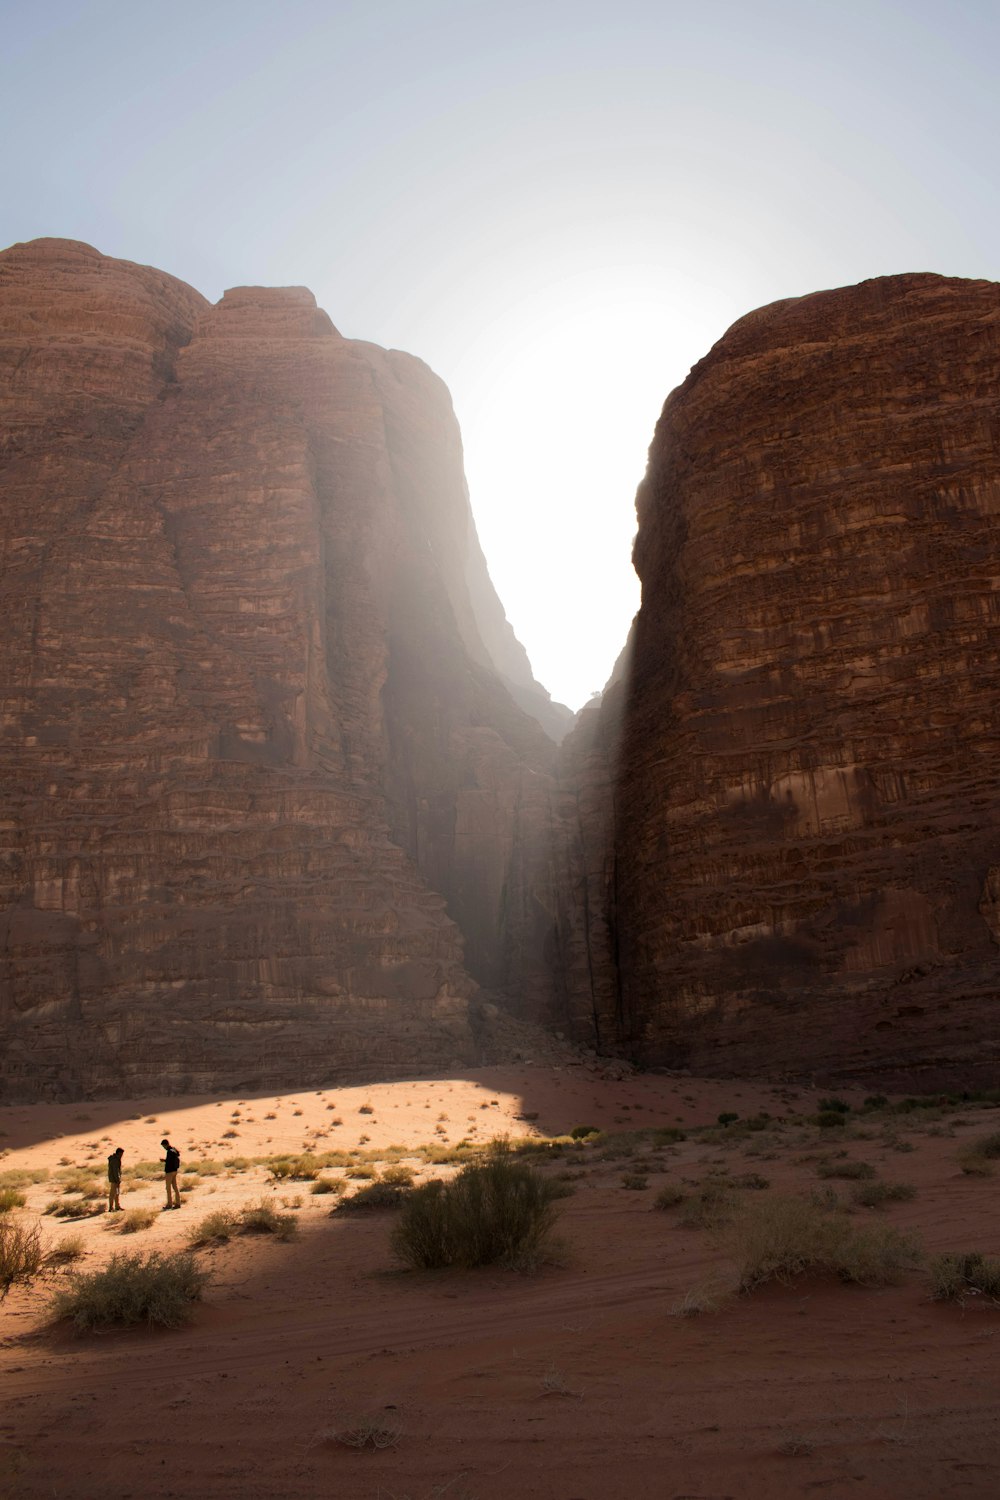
780 1238
20 1254
157 1290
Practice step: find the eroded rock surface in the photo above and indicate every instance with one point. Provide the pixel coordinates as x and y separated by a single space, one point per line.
252 742
808 805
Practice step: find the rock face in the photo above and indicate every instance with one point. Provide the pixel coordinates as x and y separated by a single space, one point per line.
807 809
253 745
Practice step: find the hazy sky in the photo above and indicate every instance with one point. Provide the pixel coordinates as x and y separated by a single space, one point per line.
560 205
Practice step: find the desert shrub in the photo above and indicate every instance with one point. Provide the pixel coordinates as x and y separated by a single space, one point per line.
17 1177
148 1171
20 1253
374 1195
636 1181
366 1432
668 1135
207 1168
366 1109
839 1105
70 1247
974 1165
304 1168
987 1146
328 1185
261 1218
214 1229
362 1171
132 1288
398 1176
954 1277
133 1220
857 1171
727 1118
73 1208
11 1198
830 1119
711 1205
669 1196
580 1132
875 1102
752 1181
759 1122
781 1238
874 1194
494 1212
84 1183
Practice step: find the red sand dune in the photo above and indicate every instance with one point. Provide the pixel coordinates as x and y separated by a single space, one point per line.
579 1382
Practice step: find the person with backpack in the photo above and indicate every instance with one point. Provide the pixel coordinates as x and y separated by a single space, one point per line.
171 1163
115 1180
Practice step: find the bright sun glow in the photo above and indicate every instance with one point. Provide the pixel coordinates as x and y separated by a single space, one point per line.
557 419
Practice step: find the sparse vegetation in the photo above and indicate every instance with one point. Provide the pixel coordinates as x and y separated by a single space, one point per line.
857 1171
374 1195
669 1196
73 1208
636 1181
214 1229
133 1220
261 1218
20 1253
364 1432
328 1185
875 1194
11 1198
132 1288
71 1247
955 1277
780 1238
494 1212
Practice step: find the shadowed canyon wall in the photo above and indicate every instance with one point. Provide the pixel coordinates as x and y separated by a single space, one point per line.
252 741
280 793
807 807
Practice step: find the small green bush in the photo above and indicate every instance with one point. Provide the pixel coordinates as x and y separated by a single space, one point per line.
839 1105
20 1253
17 1177
70 1247
74 1208
636 1181
830 1119
874 1194
214 1229
987 1146
328 1185
133 1220
727 1118
372 1196
154 1289
857 1171
780 1238
398 1176
261 1218
494 1212
11 1198
580 1132
955 1277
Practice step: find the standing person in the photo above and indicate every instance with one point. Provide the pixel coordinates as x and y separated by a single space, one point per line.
115 1180
171 1162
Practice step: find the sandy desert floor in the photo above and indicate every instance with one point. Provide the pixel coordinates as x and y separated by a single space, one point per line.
581 1381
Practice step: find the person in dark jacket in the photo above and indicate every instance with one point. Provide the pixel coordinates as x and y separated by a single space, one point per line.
171 1162
115 1180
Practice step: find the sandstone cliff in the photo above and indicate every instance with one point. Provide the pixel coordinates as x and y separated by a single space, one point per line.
807 809
253 746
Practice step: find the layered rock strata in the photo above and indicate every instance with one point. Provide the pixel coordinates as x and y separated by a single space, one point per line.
807 808
253 746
